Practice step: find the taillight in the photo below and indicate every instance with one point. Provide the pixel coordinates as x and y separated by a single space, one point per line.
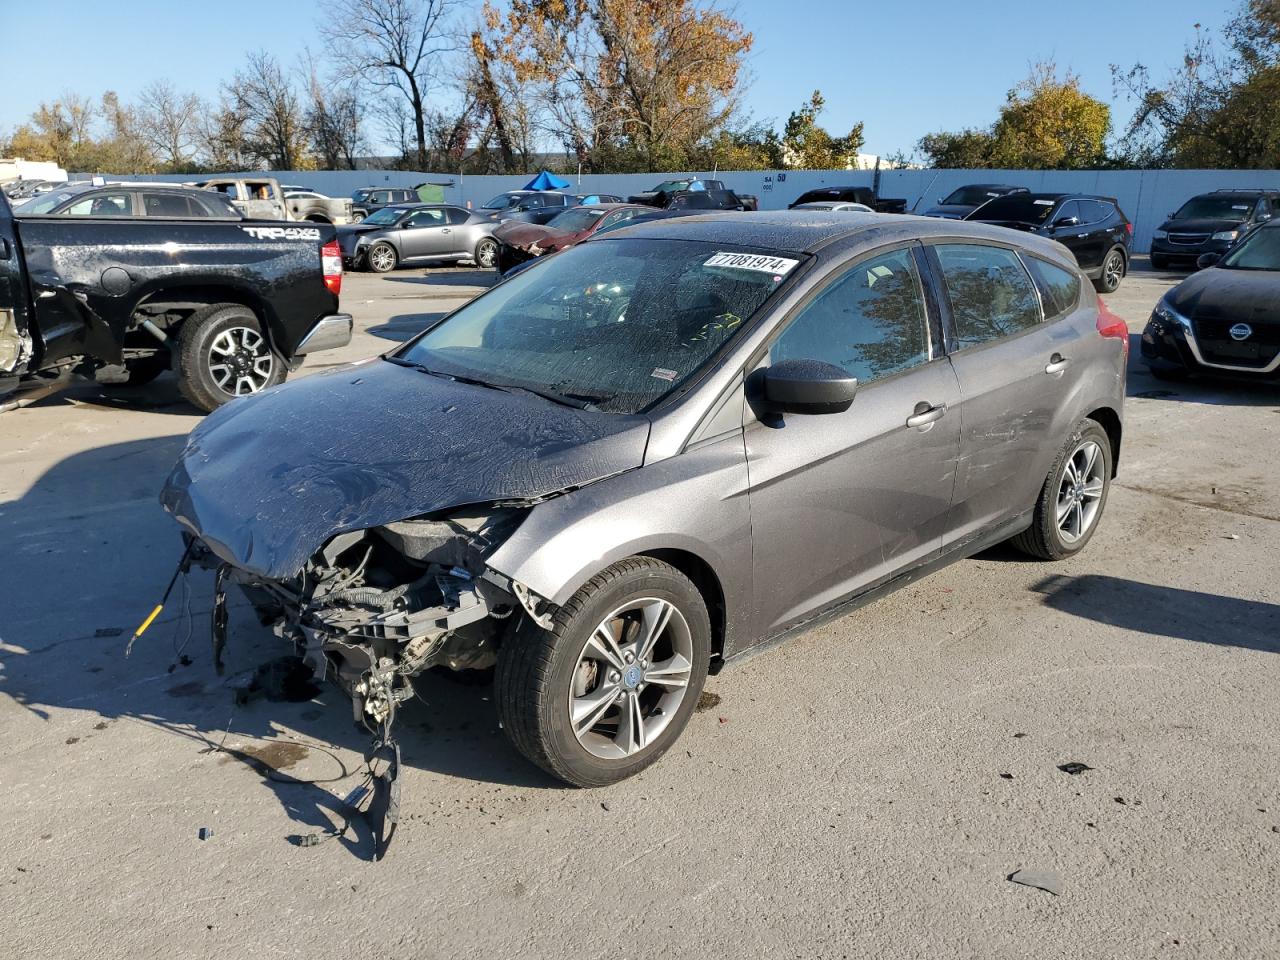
1112 327
331 266
1129 226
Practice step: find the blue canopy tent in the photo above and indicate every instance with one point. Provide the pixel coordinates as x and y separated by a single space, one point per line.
546 181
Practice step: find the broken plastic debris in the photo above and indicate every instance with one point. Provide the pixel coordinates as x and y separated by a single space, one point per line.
1074 767
1045 880
309 840
205 833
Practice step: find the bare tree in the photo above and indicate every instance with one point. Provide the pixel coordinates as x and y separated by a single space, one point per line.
220 133
274 124
393 45
334 115
168 120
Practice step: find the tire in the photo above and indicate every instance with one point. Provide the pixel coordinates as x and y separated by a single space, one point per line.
1114 268
356 216
142 370
1159 263
381 257
486 253
222 354
540 673
1046 538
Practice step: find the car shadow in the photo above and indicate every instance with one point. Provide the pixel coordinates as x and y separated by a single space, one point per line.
1165 611
405 326
1222 391
96 551
159 396
470 278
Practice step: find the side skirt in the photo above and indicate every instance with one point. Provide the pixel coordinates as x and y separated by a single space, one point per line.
957 551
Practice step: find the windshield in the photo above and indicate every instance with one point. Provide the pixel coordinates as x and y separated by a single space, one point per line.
502 201
617 325
384 217
1258 252
45 203
361 195
574 220
1212 207
1018 208
671 186
970 196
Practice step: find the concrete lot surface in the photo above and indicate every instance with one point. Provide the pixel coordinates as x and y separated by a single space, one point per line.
864 791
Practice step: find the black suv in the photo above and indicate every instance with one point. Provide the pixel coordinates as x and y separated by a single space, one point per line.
371 199
1095 229
1210 223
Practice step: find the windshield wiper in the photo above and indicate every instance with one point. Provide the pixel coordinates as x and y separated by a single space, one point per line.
578 401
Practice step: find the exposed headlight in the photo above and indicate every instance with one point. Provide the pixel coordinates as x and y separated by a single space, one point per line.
1226 234
1161 235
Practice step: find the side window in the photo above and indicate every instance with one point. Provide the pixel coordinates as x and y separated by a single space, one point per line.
170 205
381 196
457 215
1069 209
228 190
102 205
990 293
871 321
1094 211
1059 288
426 218
261 191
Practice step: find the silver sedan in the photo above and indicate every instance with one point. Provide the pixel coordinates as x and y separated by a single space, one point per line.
417 233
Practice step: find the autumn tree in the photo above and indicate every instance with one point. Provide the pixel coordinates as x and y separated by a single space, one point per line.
807 146
334 116
274 127
396 47
168 121
1047 123
1218 108
624 84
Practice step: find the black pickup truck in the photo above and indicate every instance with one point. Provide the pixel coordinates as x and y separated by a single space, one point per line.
230 305
867 196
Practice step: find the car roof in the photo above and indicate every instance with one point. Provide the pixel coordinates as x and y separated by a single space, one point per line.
808 231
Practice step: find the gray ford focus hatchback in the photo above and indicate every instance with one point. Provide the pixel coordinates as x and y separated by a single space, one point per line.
634 462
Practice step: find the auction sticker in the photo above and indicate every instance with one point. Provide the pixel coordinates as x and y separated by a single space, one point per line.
760 263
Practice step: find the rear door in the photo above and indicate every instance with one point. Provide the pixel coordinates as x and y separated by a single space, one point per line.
1016 370
841 501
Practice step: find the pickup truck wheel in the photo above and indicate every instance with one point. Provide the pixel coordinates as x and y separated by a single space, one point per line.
486 253
605 691
223 354
1073 496
381 257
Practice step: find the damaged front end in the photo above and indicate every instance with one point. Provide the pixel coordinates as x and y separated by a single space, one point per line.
374 608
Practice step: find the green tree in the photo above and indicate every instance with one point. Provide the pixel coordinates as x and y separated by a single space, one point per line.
807 146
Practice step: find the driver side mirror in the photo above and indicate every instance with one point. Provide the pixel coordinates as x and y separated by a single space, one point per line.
808 386
1208 259
1066 221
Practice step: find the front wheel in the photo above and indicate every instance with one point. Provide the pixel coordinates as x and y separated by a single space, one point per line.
486 253
1073 496
1113 271
608 689
223 353
381 258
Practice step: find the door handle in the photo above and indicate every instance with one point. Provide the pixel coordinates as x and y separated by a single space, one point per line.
1057 363
446 230
926 414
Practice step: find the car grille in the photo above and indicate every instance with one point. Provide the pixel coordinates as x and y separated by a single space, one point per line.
1214 339
1188 239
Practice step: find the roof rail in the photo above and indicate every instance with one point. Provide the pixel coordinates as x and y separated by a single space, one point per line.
1247 190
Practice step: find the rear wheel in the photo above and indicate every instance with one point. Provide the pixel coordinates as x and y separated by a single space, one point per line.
1073 496
381 257
486 253
223 353
1114 268
608 689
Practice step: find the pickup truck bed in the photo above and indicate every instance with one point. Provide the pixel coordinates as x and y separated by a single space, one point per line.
230 306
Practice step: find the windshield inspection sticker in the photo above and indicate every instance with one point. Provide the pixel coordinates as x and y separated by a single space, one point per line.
1239 206
663 374
1044 203
751 261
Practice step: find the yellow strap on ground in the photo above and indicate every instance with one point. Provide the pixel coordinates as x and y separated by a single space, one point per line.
147 622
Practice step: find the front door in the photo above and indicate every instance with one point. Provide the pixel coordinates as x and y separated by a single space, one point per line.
426 233
1070 230
840 502
1015 373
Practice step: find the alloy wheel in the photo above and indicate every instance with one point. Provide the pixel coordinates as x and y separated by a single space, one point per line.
382 259
240 361
1080 491
486 254
1114 270
630 678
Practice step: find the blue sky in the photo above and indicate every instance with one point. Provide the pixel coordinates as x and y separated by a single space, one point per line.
904 68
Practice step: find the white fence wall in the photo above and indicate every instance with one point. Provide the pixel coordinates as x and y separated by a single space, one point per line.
1147 196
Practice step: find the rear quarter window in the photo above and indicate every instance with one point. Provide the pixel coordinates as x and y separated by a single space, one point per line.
1059 287
991 294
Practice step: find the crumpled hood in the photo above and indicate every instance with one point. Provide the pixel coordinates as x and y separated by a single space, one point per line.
515 233
265 481
1236 295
